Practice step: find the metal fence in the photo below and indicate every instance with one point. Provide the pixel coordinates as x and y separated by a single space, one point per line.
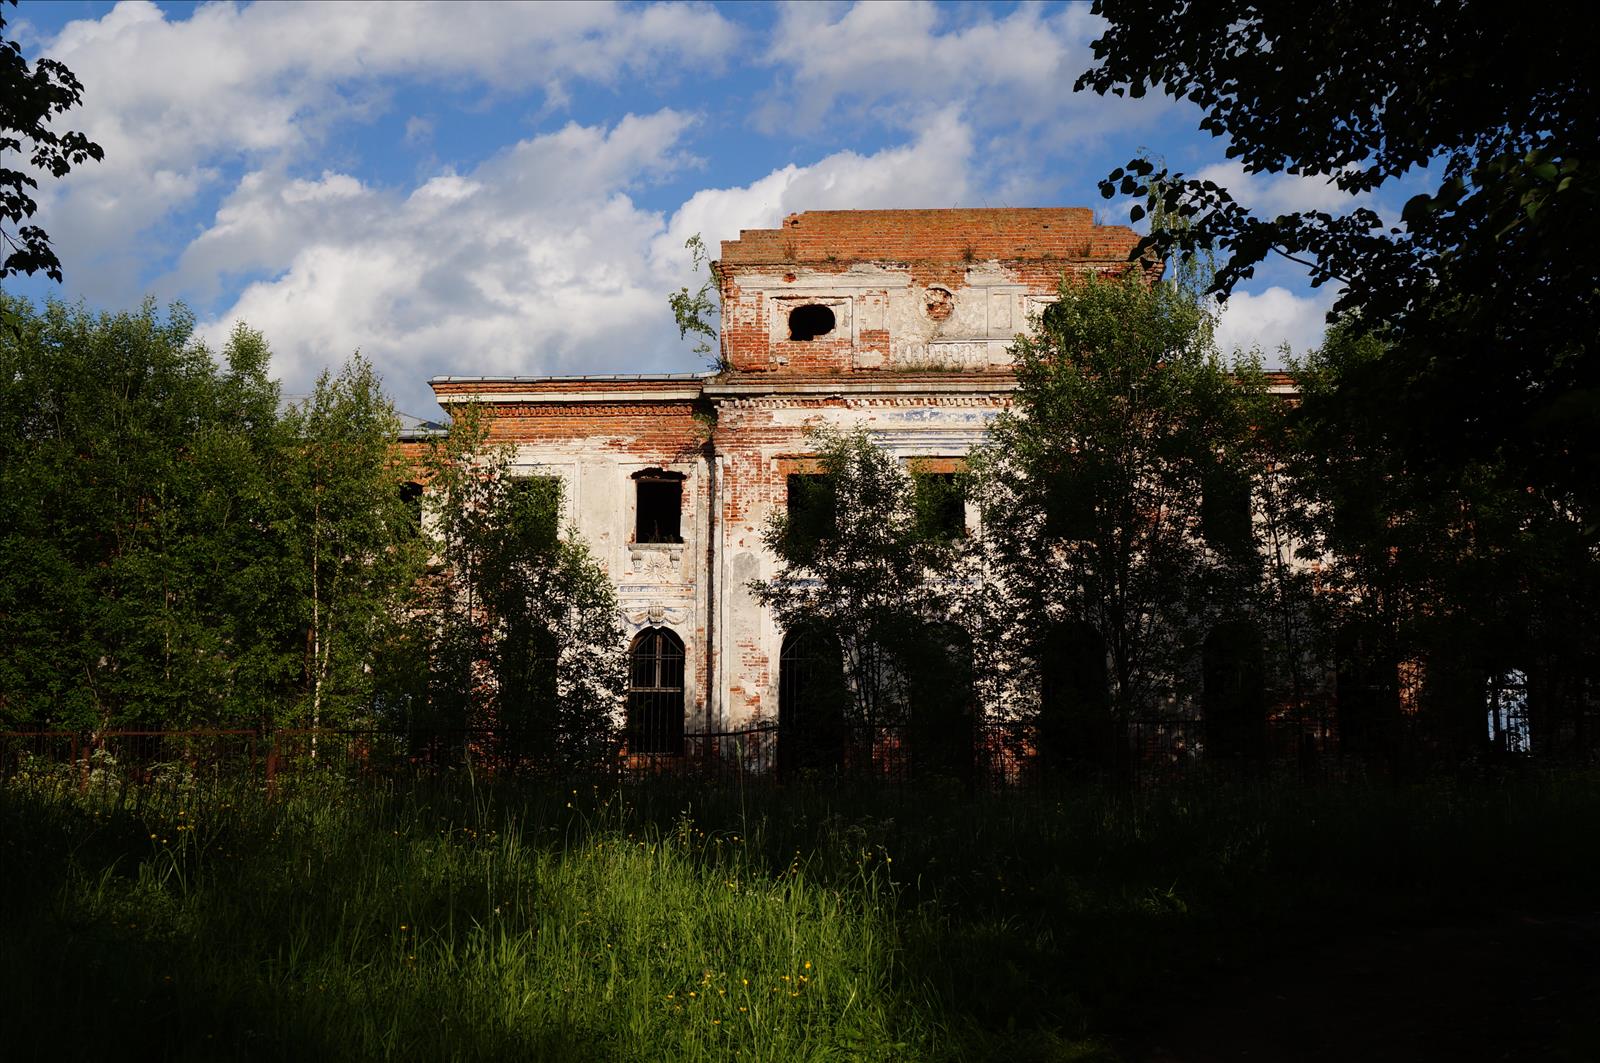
997 757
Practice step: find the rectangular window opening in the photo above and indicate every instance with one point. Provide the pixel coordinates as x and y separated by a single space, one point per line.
1225 518
535 509
941 505
811 509
659 510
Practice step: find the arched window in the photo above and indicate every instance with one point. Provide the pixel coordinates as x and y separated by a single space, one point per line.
1367 688
655 692
1074 699
810 321
1508 712
1234 694
811 702
941 701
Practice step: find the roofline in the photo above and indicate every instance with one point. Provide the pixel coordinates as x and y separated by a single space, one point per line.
640 377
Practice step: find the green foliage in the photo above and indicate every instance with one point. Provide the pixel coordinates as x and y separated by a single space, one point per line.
521 625
349 535
858 561
1462 569
1092 486
694 311
443 919
174 552
1485 292
30 98
141 575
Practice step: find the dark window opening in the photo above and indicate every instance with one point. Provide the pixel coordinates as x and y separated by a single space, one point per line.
527 688
811 512
941 700
1076 729
655 693
1366 688
1070 511
811 701
534 511
411 497
658 508
1233 692
1225 511
809 322
941 505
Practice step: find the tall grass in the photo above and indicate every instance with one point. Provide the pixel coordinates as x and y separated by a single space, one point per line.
449 920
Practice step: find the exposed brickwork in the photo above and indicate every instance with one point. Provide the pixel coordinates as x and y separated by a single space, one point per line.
925 306
839 237
907 288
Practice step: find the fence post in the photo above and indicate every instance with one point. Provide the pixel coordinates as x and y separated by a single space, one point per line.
272 767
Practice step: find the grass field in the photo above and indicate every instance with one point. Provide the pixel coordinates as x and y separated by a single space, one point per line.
453 919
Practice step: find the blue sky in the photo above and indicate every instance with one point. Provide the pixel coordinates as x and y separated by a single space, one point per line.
504 189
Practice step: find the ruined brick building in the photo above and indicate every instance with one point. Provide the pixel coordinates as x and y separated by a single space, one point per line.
897 320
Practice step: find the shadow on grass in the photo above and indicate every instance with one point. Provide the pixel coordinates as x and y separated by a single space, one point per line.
1176 925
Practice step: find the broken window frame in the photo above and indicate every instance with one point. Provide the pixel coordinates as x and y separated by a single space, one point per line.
804 321
661 531
811 508
411 497
941 513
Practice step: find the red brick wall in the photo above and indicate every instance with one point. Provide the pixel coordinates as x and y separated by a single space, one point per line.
841 236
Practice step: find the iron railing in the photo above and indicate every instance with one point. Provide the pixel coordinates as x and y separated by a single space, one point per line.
998 755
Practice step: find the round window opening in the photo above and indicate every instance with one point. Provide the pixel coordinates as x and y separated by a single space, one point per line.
809 322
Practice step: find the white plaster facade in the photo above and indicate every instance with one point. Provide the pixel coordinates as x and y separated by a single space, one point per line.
925 306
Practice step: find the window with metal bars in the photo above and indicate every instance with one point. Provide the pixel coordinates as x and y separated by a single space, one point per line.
1508 712
655 692
811 701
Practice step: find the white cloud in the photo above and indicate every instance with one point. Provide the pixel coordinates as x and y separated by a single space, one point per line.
897 62
175 102
1269 195
419 130
537 261
1273 318
932 171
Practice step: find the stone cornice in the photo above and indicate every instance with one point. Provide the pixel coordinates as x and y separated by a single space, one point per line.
609 406
873 383
835 400
561 398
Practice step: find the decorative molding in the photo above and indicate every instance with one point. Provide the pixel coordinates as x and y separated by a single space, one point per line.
537 407
601 395
865 402
674 616
656 562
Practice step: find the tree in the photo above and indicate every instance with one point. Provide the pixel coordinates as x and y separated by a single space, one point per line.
866 564
30 97
693 311
355 559
1116 498
1461 573
140 581
521 624
1485 294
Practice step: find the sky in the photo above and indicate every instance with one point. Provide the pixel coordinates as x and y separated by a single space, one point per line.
502 189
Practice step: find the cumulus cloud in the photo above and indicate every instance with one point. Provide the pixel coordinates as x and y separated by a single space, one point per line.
896 62
934 170
1269 320
177 102
1283 193
537 261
